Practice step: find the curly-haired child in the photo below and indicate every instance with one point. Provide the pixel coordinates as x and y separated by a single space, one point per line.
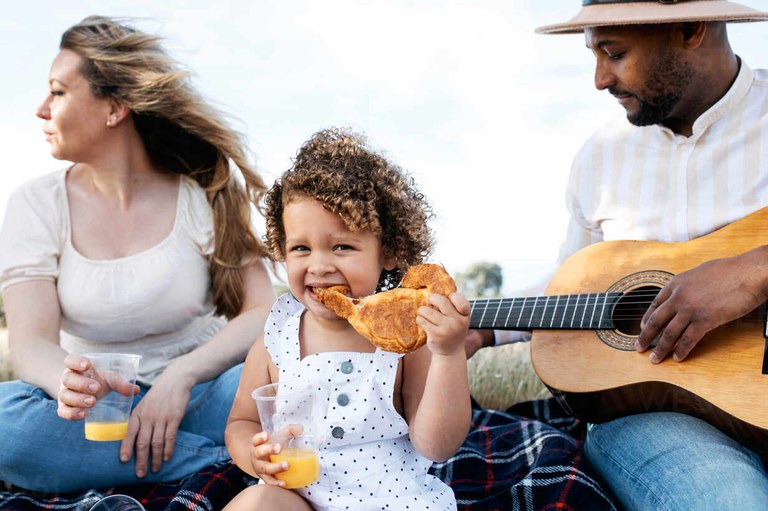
345 215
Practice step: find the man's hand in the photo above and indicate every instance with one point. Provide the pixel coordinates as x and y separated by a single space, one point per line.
477 339
702 299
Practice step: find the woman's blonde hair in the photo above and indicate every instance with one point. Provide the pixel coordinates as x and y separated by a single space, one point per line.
337 168
181 133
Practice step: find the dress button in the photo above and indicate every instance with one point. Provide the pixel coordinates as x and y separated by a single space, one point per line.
342 399
337 432
346 367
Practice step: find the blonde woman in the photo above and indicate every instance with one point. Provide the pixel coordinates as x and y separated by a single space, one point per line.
144 245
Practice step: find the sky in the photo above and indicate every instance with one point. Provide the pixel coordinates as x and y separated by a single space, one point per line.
484 113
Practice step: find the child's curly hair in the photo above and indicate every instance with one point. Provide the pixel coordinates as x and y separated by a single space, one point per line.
338 169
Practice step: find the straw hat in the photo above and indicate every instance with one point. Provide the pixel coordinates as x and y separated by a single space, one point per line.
601 13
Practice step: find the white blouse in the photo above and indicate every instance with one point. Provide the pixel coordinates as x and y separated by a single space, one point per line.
156 303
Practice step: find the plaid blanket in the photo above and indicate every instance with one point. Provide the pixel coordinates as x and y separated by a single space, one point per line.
526 458
207 490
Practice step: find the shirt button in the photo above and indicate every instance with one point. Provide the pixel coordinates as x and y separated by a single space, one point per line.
346 367
342 399
337 432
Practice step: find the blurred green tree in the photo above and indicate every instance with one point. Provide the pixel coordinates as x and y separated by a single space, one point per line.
480 280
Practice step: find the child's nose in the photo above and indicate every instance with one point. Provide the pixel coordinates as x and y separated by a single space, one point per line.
321 265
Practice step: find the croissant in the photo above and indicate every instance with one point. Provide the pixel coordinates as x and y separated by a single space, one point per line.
388 319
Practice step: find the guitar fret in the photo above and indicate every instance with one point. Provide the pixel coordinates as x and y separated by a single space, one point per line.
533 310
565 310
575 310
509 312
584 312
544 312
520 316
496 316
602 309
552 321
594 308
485 309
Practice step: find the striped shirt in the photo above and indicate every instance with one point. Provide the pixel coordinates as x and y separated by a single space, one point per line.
648 183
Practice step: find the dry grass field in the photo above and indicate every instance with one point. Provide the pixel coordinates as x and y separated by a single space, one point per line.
498 377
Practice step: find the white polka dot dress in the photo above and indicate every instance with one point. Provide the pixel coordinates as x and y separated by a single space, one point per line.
367 461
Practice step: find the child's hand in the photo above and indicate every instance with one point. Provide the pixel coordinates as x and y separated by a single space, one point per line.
265 469
446 323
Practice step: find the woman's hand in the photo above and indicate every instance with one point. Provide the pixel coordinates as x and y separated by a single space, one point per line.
81 386
155 422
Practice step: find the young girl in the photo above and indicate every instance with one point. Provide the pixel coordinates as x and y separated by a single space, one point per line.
345 215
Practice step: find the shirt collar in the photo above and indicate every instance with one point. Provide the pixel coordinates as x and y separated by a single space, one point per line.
727 103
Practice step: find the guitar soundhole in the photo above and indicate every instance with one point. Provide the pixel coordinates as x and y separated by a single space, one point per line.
638 291
630 308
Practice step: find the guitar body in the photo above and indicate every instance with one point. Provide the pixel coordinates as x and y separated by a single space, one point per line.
598 376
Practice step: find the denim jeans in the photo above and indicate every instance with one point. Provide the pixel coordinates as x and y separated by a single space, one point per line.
42 452
669 461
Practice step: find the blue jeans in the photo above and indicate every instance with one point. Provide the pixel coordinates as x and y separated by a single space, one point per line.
669 461
42 452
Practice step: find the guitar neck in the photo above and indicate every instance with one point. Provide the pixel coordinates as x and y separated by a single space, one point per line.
562 312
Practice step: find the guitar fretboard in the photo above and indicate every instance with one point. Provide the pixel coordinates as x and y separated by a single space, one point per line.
590 311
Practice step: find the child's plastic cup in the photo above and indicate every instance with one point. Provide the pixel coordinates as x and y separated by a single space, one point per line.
118 503
290 413
107 420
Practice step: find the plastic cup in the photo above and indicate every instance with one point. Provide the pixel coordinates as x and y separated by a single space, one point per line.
118 503
107 420
290 413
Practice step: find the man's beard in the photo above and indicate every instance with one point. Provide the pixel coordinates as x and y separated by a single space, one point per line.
655 110
663 90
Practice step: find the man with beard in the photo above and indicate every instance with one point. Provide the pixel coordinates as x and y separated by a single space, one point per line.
692 157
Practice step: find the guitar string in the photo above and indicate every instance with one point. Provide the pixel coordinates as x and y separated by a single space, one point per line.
503 304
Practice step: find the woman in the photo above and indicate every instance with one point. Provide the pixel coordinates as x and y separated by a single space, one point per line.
142 245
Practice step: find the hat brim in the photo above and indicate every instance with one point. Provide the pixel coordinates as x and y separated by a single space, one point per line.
644 13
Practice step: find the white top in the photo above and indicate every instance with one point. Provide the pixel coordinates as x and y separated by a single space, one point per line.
648 183
367 462
156 303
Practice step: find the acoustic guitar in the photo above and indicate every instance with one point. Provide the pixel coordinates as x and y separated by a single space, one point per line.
585 326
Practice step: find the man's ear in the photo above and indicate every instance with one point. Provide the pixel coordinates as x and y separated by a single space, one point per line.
693 33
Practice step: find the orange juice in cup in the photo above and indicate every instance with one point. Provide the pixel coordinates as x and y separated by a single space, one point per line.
107 420
106 431
303 466
291 413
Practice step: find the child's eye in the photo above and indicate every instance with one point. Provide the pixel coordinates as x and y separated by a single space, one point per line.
298 248
343 247
57 92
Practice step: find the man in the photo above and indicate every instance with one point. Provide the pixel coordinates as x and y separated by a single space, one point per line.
692 157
